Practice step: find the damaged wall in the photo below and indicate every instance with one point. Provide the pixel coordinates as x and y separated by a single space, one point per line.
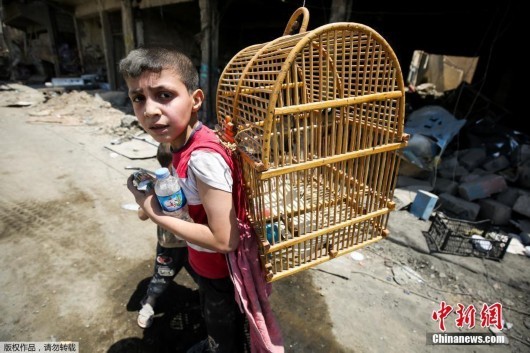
91 40
450 28
177 25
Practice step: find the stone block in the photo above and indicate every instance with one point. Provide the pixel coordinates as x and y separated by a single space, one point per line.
446 186
498 213
496 164
522 205
458 208
482 187
472 158
509 196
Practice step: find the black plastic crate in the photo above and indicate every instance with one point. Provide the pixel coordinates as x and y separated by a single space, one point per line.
459 237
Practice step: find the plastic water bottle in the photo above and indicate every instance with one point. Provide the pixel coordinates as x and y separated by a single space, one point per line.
170 195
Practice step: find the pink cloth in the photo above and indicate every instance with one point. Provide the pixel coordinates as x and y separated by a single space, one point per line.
249 279
254 291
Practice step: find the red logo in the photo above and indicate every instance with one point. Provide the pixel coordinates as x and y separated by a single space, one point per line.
490 315
441 314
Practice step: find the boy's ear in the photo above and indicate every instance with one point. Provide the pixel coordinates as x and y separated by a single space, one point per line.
198 97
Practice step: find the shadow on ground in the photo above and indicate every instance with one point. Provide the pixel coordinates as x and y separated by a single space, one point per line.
178 323
298 305
303 316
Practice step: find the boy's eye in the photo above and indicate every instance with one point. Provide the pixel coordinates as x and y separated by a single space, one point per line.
137 99
165 95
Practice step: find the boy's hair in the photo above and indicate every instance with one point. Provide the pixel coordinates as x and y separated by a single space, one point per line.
156 59
164 156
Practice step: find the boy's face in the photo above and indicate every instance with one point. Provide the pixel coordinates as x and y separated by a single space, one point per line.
163 106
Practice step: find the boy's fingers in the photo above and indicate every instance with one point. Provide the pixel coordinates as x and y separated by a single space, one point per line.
130 183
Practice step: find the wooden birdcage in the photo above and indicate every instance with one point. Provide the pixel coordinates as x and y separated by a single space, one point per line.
317 118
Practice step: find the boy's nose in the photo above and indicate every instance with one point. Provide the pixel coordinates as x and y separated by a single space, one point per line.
151 109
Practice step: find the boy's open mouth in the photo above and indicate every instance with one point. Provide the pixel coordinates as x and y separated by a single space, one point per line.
159 127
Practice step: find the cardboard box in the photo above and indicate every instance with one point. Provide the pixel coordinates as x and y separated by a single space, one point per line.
444 71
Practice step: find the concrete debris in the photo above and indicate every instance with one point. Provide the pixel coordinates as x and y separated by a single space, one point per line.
405 274
76 108
487 178
17 95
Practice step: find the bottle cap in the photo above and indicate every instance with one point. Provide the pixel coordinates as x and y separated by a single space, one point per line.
162 173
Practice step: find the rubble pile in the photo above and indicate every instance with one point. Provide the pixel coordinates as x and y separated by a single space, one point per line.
18 95
76 108
481 172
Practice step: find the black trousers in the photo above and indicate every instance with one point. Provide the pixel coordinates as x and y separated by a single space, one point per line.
168 263
225 323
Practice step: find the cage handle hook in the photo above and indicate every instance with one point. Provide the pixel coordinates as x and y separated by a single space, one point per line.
293 25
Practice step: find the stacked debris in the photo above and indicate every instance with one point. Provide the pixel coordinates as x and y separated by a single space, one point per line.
471 170
76 108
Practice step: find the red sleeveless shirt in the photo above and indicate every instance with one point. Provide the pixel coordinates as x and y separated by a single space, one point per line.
206 263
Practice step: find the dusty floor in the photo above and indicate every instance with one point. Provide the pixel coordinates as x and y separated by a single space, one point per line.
75 262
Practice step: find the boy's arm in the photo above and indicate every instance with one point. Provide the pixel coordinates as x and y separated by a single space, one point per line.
221 215
221 234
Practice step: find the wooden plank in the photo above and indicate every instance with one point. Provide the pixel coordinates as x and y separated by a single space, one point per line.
128 25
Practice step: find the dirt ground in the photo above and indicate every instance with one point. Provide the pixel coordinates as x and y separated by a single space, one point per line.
75 262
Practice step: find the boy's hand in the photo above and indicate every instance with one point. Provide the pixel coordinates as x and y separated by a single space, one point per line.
143 180
145 199
142 215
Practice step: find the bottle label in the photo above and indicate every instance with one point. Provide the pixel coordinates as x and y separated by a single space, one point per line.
172 202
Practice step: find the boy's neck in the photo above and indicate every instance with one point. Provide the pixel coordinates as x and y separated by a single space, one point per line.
179 143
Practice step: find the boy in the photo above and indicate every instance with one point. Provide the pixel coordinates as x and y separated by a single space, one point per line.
171 255
163 87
